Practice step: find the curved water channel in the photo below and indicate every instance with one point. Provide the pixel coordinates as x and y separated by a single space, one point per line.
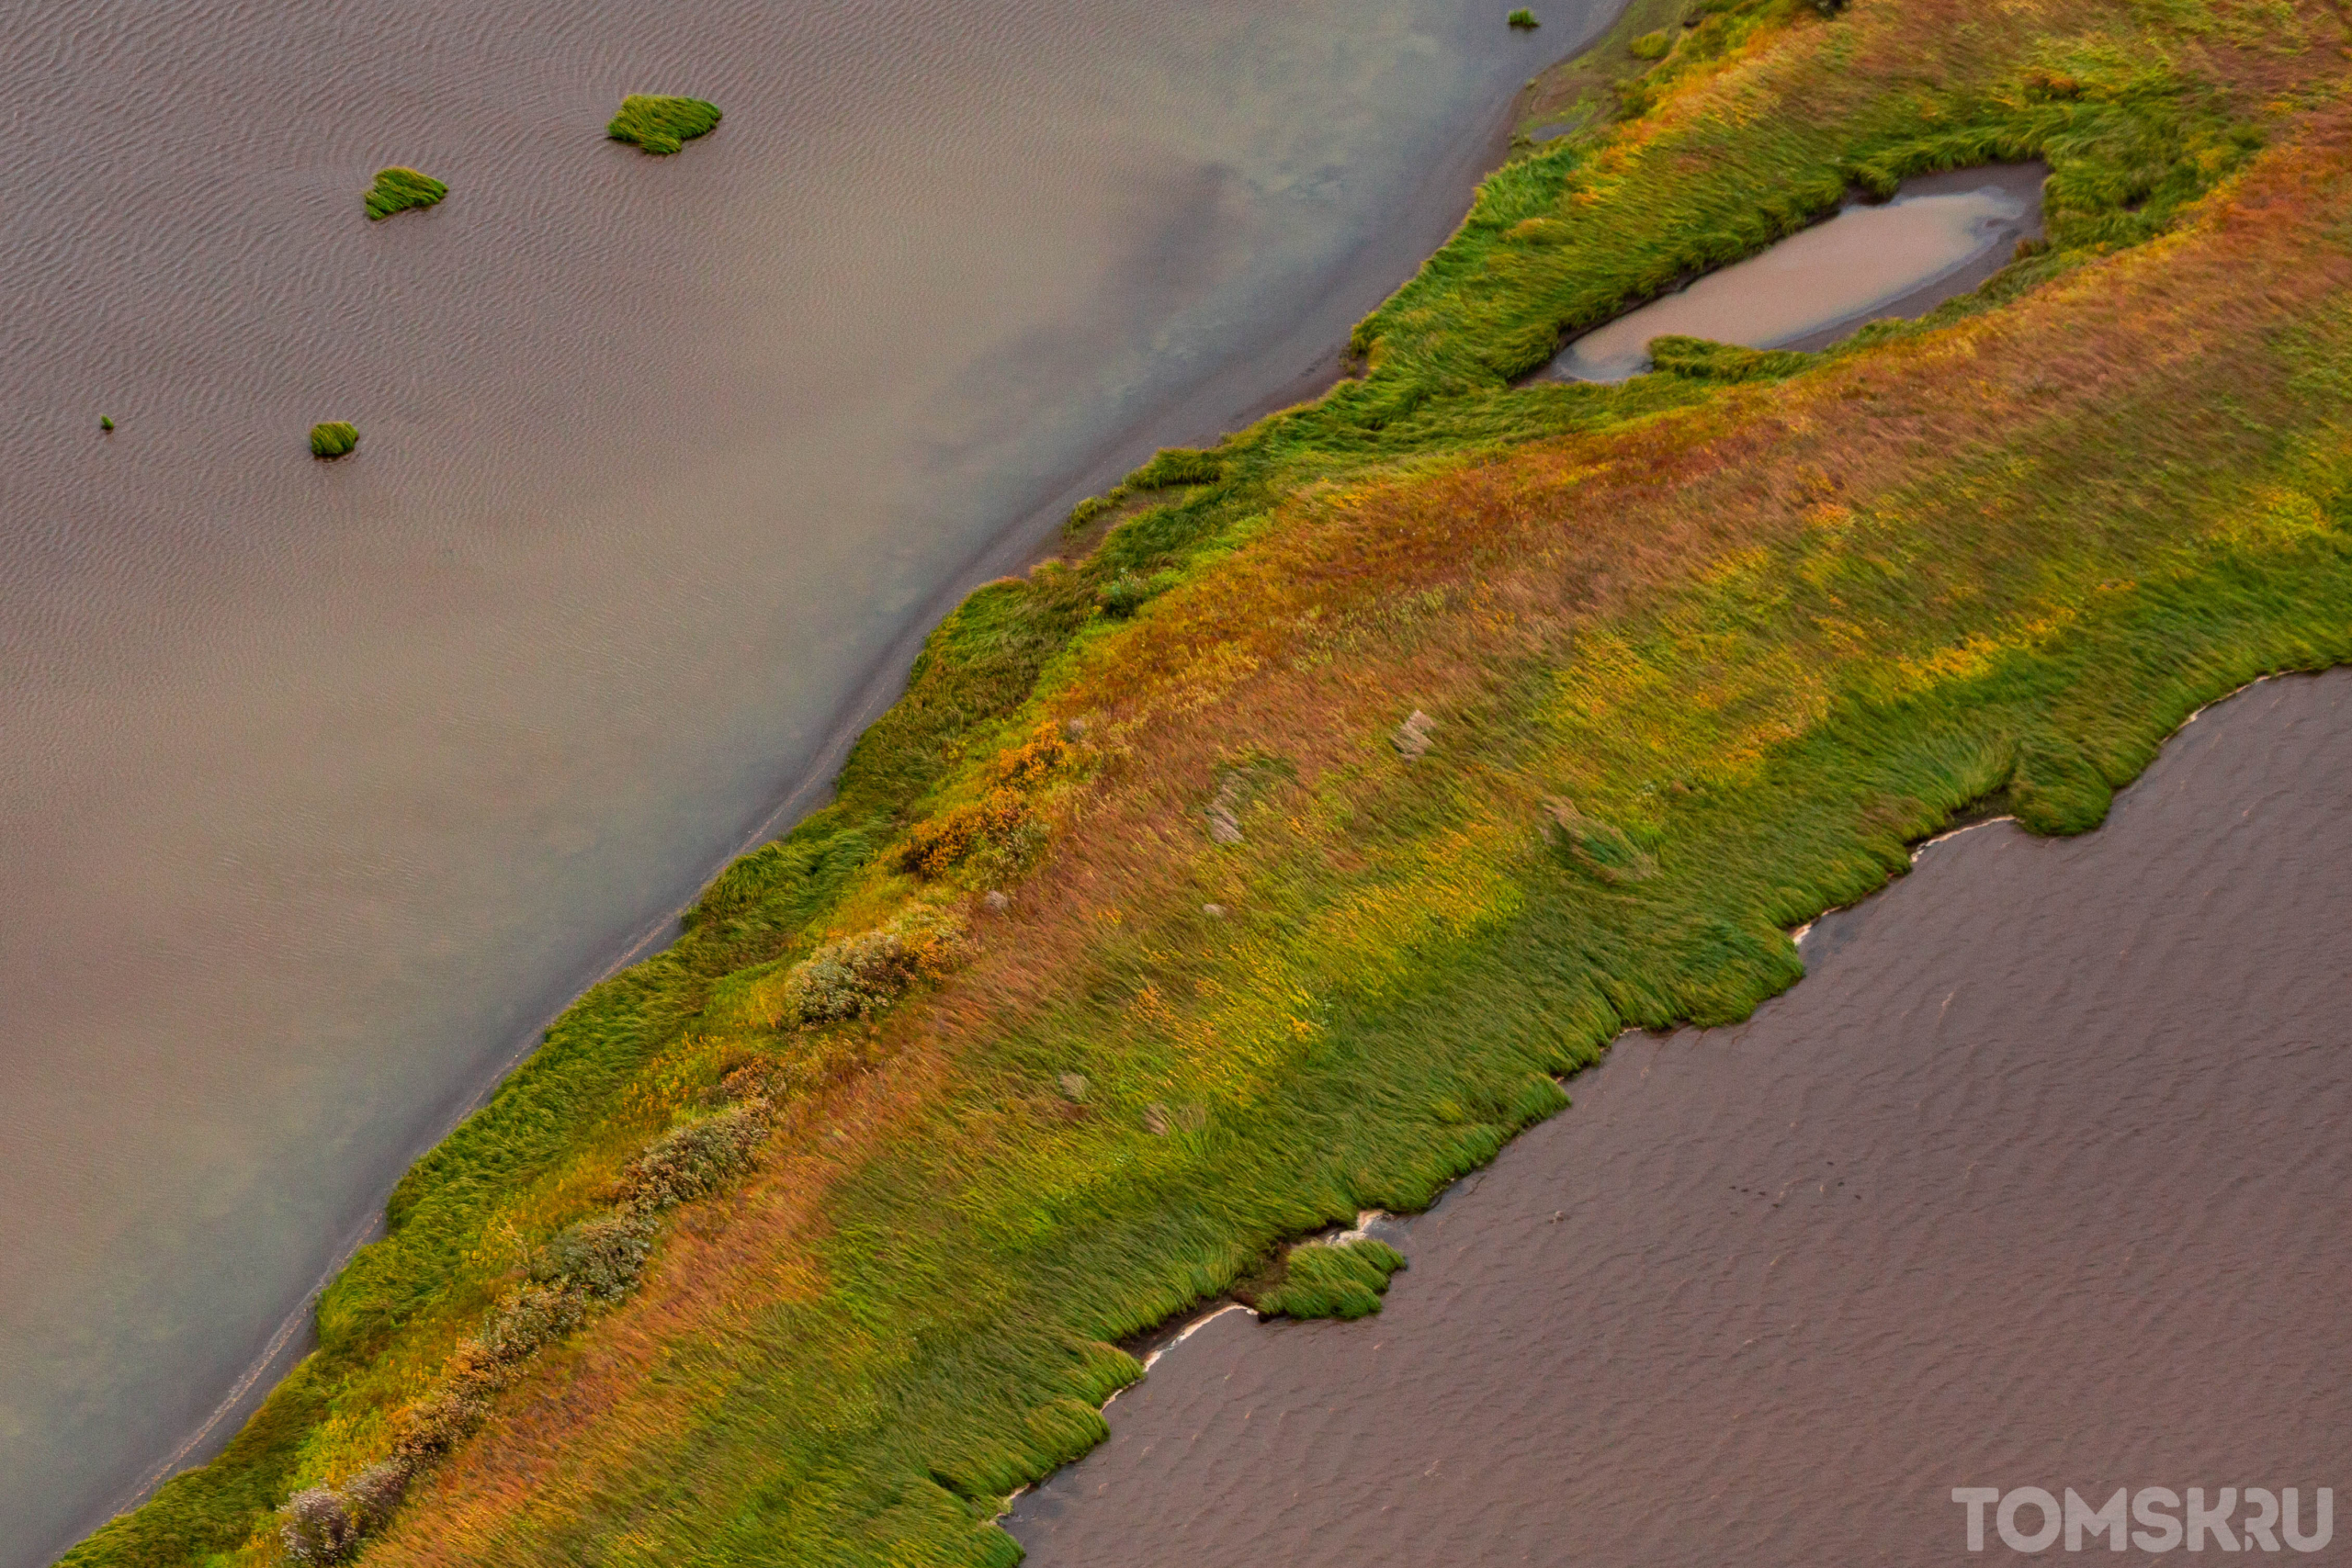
1939 236
2037 1178
327 785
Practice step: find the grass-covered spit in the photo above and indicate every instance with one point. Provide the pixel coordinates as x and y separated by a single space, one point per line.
662 124
398 189
1134 946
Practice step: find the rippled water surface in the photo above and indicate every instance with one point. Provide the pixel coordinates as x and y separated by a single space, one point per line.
1941 236
2037 1179
325 784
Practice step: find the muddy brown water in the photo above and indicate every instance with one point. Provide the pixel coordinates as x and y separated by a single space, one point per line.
2038 1178
1939 237
326 784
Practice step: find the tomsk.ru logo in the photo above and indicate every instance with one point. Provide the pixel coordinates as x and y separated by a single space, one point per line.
2267 1517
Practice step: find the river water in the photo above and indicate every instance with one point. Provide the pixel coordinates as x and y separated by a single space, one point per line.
2037 1180
327 784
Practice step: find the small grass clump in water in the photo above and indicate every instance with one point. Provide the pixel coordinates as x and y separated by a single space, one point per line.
1524 19
1344 1279
398 189
334 438
662 124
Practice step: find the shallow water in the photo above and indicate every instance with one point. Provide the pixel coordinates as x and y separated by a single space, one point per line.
327 784
1941 236
2035 1179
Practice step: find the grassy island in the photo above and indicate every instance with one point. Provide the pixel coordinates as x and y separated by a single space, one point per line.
1287 849
660 124
398 189
334 438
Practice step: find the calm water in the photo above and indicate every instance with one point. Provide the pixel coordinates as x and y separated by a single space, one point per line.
325 784
2037 1179
1941 235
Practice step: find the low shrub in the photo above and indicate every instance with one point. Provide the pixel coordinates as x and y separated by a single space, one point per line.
1124 595
376 1492
436 1423
1523 18
938 845
600 1257
1652 45
334 438
690 1161
1034 760
859 975
317 1526
659 123
532 1317
398 189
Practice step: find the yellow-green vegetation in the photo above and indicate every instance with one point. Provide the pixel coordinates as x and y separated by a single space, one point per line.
1582 89
1343 1280
1652 45
334 438
661 124
1524 19
398 189
1275 861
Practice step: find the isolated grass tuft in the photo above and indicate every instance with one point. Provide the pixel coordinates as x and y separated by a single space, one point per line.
1523 17
397 189
334 438
318 1527
1342 1279
662 124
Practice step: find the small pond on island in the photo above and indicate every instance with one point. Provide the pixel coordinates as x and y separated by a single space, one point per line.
1941 236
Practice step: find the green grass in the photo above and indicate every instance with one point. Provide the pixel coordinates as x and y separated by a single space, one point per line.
334 438
1343 1280
1651 46
398 189
1706 652
662 124
1524 19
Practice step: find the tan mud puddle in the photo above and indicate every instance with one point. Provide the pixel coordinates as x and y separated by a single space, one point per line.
1941 236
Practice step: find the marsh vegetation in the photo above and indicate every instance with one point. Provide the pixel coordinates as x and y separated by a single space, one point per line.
1698 657
662 124
397 189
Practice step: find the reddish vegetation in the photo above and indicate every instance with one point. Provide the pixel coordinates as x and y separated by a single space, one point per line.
1450 587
